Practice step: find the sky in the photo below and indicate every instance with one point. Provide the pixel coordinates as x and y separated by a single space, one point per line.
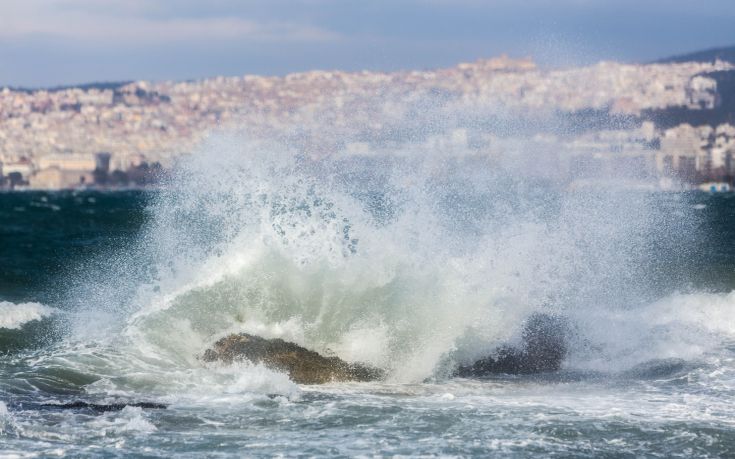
45 43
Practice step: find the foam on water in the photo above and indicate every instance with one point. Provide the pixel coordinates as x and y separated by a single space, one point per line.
130 419
14 316
682 326
4 417
8 425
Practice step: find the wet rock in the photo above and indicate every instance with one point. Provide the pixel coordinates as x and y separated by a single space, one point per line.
658 369
102 408
543 350
302 365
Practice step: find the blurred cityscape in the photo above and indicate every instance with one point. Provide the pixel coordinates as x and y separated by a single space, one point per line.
669 124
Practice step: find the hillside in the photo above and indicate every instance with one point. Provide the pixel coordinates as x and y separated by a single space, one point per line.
708 55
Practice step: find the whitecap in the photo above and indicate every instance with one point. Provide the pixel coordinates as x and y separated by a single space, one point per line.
681 326
6 420
131 419
14 316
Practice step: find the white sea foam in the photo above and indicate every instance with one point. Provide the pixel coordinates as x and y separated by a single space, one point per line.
7 423
130 419
681 326
14 316
4 413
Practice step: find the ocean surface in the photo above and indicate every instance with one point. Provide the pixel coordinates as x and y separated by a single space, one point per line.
415 266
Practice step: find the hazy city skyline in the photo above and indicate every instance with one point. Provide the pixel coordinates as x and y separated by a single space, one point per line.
56 42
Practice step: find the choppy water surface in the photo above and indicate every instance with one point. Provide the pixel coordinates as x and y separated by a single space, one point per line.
410 264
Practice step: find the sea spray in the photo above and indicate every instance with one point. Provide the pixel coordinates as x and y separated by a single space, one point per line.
409 261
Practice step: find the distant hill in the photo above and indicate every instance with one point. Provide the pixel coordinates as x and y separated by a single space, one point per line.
708 55
84 87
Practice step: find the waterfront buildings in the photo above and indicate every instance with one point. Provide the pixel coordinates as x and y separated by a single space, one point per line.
601 115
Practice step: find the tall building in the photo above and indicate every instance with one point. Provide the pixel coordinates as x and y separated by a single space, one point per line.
102 161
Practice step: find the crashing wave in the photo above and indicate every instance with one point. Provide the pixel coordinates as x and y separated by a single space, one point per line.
14 316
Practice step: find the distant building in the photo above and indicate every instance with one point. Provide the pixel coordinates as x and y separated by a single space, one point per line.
702 93
102 161
70 162
55 178
23 167
135 160
684 152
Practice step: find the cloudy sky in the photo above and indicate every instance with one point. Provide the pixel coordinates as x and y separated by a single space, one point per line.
53 42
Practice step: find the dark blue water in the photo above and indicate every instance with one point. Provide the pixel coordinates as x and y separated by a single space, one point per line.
46 236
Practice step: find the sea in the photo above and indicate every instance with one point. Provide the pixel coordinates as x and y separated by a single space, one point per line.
413 263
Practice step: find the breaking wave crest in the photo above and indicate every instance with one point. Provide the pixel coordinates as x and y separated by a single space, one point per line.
410 262
14 316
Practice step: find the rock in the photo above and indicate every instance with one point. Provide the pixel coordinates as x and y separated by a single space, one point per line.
102 408
543 350
658 369
302 365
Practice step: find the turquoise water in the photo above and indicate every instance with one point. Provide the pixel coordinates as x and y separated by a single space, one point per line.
110 298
